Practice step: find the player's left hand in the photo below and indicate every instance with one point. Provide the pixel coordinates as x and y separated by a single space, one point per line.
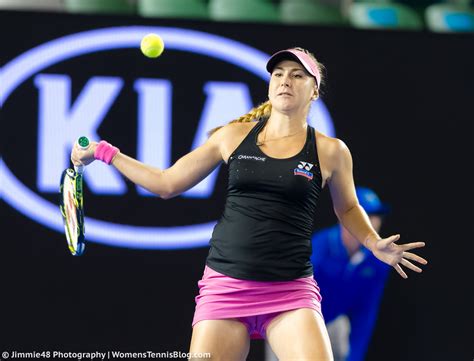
396 255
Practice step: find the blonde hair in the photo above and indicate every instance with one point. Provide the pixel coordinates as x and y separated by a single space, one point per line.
264 109
261 111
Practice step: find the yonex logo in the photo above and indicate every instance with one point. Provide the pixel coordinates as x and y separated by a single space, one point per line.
303 169
305 166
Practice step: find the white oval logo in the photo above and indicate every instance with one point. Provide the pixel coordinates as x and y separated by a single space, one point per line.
24 66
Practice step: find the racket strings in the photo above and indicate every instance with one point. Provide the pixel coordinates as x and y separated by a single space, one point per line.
70 212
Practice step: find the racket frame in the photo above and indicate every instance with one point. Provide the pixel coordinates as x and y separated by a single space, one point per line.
76 182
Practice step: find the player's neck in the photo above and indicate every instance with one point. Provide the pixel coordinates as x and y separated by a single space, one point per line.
279 124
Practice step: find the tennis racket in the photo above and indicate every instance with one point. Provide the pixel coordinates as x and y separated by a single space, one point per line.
71 204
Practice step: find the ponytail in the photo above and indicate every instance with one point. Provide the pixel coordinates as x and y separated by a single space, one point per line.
263 110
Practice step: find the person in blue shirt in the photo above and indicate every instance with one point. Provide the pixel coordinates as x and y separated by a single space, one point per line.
351 280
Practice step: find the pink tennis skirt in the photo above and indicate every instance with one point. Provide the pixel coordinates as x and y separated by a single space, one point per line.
255 303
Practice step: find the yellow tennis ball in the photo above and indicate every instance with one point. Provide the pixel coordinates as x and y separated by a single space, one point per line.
152 45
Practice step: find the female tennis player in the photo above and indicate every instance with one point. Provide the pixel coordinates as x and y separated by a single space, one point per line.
258 279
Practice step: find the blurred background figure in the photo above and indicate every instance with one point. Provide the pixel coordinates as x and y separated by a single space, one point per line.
351 280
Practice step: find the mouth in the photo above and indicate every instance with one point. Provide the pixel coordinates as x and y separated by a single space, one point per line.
285 94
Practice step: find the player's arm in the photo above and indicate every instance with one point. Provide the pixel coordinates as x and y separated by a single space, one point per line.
184 174
356 221
343 194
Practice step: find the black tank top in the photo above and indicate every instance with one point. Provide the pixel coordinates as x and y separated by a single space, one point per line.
265 231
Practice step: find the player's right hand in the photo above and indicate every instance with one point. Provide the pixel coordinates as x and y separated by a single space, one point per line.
81 156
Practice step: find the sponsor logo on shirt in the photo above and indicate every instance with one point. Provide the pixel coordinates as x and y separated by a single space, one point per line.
303 169
252 157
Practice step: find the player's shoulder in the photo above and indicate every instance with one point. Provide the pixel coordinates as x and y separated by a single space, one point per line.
331 146
240 127
233 131
333 143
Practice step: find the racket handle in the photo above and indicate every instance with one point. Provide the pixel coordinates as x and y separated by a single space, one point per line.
83 143
79 169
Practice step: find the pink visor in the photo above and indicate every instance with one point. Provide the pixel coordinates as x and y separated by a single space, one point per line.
301 57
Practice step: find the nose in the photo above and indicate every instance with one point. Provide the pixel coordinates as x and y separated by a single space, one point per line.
285 80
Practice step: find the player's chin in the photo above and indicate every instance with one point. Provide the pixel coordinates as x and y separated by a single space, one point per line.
285 107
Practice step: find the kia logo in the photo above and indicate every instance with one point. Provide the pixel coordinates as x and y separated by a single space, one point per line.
96 98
